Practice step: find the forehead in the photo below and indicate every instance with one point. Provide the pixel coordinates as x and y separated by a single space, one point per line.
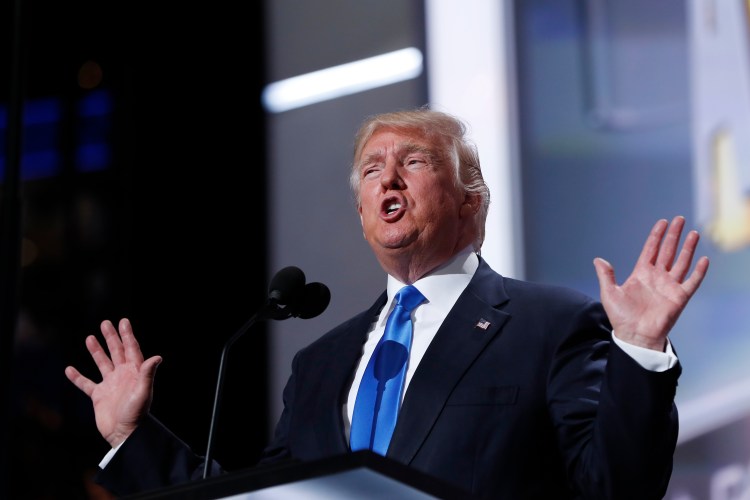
390 137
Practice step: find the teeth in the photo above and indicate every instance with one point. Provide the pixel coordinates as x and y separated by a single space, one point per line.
393 207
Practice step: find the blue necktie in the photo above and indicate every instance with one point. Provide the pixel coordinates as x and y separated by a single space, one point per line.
379 394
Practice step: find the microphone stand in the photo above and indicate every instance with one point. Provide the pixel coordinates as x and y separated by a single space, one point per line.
262 314
289 296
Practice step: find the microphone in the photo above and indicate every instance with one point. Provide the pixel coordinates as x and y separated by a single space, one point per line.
288 296
286 288
315 298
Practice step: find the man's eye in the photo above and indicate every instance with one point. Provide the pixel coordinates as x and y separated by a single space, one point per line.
368 171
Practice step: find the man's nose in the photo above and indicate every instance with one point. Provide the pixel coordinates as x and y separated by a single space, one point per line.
391 177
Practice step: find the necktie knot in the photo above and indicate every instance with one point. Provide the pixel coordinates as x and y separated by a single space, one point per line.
409 297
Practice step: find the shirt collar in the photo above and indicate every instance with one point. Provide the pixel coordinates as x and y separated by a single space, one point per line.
444 284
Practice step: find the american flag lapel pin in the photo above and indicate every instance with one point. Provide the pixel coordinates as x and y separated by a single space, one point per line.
483 324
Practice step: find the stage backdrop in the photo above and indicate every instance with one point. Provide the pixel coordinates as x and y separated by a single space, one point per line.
610 115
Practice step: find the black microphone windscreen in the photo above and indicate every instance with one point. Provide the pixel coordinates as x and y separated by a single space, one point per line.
315 298
287 286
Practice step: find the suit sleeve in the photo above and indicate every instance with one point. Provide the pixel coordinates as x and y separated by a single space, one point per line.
616 421
151 458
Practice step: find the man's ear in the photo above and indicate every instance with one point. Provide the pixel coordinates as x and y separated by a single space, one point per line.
470 205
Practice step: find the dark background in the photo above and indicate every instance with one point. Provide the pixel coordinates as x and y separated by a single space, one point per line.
168 233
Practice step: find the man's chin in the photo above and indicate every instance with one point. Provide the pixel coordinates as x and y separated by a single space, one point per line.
403 244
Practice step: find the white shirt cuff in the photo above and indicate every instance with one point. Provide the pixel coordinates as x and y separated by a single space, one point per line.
109 455
649 359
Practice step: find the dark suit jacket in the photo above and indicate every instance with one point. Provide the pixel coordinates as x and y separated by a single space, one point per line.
539 404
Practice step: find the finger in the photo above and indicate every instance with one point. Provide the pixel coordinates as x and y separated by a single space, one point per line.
132 348
668 249
651 246
685 259
605 274
99 356
147 374
696 277
83 383
148 368
114 344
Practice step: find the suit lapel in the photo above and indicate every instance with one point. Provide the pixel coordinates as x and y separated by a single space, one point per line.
472 323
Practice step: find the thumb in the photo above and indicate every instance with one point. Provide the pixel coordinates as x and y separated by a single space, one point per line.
605 273
148 368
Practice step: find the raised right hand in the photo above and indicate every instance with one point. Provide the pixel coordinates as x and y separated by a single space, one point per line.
123 397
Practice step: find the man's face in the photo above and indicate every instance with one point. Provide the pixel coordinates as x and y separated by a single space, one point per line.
410 205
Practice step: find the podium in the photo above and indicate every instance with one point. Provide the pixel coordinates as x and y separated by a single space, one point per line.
362 475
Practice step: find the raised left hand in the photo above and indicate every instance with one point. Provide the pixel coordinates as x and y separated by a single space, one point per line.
646 306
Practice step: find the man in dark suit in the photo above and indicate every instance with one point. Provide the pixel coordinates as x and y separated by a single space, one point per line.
512 389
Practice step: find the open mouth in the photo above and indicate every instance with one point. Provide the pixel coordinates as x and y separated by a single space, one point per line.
392 208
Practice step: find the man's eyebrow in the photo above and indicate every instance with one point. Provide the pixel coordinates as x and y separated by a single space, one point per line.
413 147
371 157
402 150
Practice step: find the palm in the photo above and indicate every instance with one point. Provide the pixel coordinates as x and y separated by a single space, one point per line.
119 399
124 395
647 305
